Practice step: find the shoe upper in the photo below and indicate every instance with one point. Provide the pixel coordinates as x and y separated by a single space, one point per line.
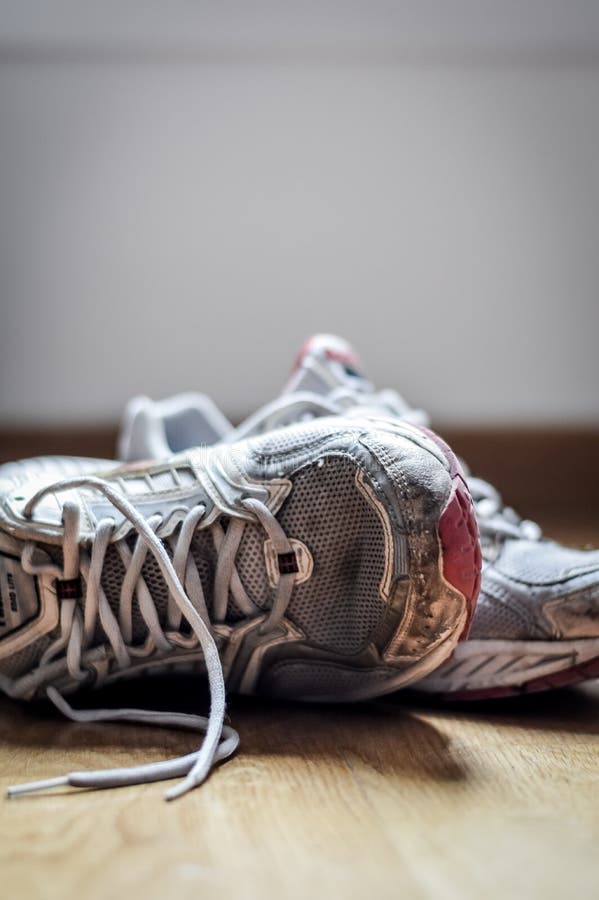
532 588
538 590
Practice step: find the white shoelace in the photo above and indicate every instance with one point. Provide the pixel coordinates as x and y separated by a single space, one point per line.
494 518
78 622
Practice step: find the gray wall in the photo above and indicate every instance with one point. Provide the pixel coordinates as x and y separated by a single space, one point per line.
187 191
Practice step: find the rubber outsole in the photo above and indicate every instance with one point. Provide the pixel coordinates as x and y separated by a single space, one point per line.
565 678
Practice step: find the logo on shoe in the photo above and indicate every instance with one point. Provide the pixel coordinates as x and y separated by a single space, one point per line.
19 601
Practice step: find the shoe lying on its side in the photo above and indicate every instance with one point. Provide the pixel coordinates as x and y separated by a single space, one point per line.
537 621
333 560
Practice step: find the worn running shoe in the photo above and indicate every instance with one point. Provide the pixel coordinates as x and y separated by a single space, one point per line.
333 560
537 621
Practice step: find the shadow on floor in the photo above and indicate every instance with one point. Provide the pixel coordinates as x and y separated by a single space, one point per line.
382 736
392 736
573 710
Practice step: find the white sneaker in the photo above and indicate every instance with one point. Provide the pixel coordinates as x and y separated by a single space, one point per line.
537 622
333 560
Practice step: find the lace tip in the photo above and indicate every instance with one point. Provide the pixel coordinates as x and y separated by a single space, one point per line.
32 787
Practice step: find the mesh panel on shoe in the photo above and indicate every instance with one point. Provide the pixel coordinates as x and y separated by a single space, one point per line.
251 565
543 562
23 660
340 605
298 437
495 620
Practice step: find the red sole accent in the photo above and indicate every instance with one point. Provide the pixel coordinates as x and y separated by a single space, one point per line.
565 678
458 531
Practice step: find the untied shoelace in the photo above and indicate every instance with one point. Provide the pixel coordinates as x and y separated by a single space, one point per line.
78 622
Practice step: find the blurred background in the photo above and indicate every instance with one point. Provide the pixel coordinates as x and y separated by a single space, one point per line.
189 189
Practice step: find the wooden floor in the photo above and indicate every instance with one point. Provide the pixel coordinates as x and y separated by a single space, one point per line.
396 799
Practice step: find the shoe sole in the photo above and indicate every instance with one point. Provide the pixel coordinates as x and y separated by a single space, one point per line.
520 667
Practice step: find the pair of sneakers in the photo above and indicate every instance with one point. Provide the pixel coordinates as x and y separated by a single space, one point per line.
326 549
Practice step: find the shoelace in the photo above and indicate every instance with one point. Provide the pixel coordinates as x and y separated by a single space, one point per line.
494 518
77 626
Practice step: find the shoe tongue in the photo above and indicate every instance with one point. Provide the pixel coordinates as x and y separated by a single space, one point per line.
326 362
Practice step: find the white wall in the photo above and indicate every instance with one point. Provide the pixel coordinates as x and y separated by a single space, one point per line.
187 191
